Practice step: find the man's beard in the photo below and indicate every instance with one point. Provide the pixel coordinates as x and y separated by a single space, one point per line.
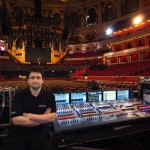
35 87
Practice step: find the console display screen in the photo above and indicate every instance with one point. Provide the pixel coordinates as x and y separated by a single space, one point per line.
61 98
146 95
122 94
109 95
94 96
78 97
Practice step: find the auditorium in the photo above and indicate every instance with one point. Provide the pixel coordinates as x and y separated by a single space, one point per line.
94 57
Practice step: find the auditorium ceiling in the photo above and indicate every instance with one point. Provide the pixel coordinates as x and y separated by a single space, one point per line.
59 1
55 3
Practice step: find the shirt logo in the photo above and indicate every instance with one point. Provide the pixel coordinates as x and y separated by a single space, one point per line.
14 112
43 106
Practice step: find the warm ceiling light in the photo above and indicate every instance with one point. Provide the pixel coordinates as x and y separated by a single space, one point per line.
137 20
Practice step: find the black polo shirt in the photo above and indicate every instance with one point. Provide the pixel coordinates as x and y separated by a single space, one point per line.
25 102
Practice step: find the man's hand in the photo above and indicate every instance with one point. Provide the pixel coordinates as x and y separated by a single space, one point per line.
25 115
48 111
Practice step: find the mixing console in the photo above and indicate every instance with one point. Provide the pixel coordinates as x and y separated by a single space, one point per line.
144 110
84 115
84 110
66 115
65 112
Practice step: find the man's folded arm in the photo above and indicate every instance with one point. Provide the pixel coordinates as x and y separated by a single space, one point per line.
42 118
23 121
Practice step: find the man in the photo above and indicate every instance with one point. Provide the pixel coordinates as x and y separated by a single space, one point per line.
32 109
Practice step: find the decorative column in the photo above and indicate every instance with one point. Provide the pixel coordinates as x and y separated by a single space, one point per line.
118 8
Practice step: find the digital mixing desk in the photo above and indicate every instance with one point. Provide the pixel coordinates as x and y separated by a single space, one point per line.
94 115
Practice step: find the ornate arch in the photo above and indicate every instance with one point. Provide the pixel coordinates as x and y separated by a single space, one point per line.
108 1
87 11
18 7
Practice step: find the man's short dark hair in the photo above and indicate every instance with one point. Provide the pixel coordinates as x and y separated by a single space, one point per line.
35 69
